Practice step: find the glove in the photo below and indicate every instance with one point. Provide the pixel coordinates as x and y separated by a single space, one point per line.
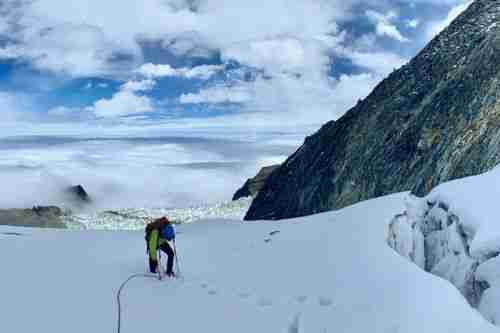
153 266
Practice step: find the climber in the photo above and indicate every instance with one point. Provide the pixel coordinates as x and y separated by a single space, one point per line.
159 235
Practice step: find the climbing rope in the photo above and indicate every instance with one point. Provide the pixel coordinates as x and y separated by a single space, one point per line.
131 277
122 286
120 291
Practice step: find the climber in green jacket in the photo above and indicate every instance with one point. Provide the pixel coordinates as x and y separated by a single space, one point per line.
159 234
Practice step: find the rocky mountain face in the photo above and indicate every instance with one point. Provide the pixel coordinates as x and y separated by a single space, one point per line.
435 119
38 216
253 185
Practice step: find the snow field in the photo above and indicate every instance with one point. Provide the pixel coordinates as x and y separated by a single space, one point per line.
331 272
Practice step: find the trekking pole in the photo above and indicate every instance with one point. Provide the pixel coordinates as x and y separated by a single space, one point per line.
177 269
159 265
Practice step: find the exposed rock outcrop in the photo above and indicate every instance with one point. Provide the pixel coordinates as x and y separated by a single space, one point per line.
38 216
253 185
435 239
77 195
435 119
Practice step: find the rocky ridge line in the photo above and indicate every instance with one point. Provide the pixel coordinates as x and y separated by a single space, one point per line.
435 119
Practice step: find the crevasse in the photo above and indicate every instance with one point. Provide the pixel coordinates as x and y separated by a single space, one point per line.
434 238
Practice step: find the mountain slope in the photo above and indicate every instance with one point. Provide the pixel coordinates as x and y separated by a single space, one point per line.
326 273
435 119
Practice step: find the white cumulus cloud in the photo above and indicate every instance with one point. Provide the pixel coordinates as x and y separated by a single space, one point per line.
217 94
125 102
384 25
202 72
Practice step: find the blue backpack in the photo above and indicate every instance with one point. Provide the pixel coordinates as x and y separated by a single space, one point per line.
168 232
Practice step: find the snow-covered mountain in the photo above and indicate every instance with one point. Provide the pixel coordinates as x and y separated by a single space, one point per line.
332 272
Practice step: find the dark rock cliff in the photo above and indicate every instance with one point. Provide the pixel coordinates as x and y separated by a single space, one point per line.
433 120
77 195
253 185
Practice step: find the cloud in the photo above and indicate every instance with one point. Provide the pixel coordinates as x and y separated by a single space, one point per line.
287 47
62 111
8 53
279 54
15 106
37 171
64 114
76 50
152 70
379 62
125 102
90 34
131 100
413 24
216 95
384 26
202 72
189 44
136 86
437 26
301 102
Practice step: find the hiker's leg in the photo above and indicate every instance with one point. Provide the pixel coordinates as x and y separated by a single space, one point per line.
153 264
165 247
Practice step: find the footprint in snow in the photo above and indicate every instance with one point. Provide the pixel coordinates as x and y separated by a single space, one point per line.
264 302
325 301
204 285
244 295
301 299
212 292
295 324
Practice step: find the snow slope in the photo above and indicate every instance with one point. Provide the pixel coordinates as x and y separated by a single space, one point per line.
327 273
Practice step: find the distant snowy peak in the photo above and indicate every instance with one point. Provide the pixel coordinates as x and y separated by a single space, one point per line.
435 119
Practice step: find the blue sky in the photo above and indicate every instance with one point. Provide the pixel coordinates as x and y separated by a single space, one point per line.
228 61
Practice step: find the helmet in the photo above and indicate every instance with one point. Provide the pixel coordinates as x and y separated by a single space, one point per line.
163 220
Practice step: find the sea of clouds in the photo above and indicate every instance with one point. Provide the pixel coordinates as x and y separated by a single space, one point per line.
182 169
